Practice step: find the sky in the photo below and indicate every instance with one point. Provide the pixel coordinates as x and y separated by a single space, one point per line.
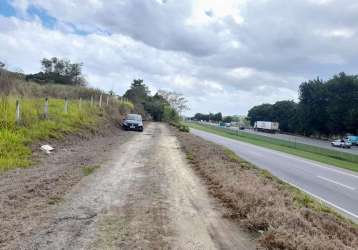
223 55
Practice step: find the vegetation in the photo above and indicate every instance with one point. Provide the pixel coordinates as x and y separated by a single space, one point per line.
331 157
15 138
88 170
285 217
163 106
59 71
324 108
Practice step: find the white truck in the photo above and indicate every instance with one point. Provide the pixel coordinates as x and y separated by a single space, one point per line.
263 126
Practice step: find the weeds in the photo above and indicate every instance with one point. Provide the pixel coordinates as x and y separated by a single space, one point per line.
88 170
286 217
15 138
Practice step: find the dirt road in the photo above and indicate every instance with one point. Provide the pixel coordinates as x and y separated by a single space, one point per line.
145 197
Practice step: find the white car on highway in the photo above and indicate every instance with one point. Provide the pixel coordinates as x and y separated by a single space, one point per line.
341 143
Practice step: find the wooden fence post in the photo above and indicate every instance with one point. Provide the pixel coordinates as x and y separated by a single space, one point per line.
107 100
80 104
66 106
100 101
46 108
18 114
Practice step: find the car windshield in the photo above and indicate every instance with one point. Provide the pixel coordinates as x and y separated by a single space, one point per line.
134 117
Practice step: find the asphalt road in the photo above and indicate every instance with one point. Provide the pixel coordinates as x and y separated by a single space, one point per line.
336 187
303 140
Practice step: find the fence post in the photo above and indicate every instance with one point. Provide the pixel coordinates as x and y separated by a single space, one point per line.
100 100
91 101
46 108
66 106
80 104
107 100
18 116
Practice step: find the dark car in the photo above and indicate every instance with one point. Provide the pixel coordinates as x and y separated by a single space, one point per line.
133 122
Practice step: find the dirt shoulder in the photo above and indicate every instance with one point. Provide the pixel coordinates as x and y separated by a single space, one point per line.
29 197
263 204
144 196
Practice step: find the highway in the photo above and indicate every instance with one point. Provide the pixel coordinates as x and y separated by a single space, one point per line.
336 187
303 140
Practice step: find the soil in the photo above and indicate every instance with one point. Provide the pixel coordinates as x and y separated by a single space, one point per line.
144 196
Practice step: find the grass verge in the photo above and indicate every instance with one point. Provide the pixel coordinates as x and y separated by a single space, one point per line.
327 156
16 138
286 217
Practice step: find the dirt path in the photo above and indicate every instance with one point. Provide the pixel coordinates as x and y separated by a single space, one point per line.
145 197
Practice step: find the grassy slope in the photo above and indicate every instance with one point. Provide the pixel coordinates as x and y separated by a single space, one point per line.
15 139
331 157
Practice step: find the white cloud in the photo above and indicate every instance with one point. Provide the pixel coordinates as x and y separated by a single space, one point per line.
224 55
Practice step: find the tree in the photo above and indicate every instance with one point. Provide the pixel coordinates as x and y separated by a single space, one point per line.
313 107
263 112
284 112
176 100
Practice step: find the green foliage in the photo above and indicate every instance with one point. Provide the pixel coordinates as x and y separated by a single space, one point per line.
180 126
208 117
159 106
324 108
60 71
16 138
88 170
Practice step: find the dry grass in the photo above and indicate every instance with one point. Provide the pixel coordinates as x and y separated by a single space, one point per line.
286 218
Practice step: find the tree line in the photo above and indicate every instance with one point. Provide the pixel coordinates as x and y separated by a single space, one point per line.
324 108
60 71
163 106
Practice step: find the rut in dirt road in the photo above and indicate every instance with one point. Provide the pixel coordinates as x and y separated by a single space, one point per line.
147 197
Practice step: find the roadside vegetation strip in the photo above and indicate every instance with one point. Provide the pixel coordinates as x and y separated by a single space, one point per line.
327 156
15 139
286 217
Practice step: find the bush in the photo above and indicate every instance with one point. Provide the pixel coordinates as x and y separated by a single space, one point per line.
181 127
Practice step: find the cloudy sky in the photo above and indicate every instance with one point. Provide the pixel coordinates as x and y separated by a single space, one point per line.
223 55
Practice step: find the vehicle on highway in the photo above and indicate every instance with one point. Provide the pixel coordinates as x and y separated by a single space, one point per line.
341 143
353 139
133 122
264 126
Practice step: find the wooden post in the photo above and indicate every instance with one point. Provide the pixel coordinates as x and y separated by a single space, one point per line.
91 101
66 106
80 104
46 108
107 100
18 115
100 100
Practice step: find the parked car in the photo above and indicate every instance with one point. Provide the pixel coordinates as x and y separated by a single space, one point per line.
341 143
133 122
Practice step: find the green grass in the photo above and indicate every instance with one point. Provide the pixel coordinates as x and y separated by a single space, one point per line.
88 170
15 139
331 157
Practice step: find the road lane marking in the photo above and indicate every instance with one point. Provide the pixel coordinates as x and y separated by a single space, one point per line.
323 200
283 154
353 215
336 182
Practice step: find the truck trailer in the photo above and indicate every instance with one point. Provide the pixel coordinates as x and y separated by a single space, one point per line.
264 126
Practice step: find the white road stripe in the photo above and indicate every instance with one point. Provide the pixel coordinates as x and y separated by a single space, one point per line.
311 162
336 182
324 200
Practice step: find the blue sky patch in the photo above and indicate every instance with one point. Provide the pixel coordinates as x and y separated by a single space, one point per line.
6 9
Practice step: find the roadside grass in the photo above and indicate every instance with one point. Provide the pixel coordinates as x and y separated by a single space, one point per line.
15 139
284 217
301 199
88 170
327 156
